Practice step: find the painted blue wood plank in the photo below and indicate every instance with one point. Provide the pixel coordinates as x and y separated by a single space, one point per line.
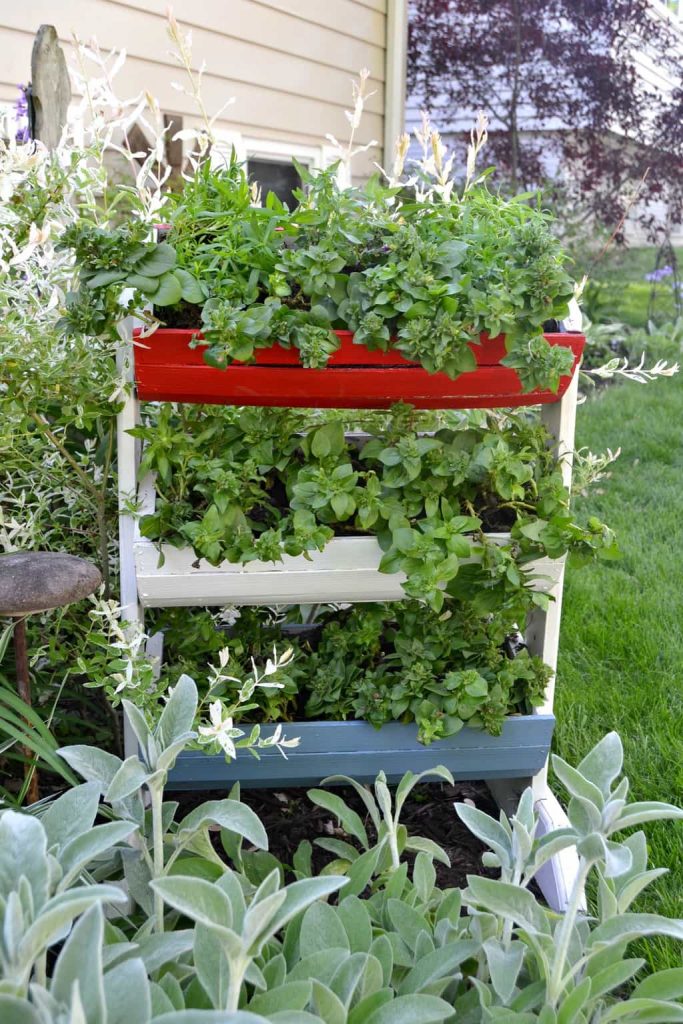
359 750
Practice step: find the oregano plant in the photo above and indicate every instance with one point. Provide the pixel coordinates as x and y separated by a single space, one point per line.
244 485
408 260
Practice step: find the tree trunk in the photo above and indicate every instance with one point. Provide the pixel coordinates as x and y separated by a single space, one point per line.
514 98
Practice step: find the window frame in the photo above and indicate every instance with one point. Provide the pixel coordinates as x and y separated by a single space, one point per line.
279 151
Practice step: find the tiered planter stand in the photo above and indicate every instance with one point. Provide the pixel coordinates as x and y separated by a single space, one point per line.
164 368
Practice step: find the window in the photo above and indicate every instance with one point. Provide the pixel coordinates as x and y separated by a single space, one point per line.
278 176
270 163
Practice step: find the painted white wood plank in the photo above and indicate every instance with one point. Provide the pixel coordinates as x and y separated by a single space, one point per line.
273 29
346 570
344 16
557 877
127 458
543 628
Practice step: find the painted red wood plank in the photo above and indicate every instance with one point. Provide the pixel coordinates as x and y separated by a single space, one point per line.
172 345
167 369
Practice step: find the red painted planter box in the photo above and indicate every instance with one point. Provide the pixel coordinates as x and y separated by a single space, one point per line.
168 370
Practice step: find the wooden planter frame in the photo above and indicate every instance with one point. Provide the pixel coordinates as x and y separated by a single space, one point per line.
167 369
359 750
509 762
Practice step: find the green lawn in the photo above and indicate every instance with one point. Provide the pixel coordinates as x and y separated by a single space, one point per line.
621 650
619 292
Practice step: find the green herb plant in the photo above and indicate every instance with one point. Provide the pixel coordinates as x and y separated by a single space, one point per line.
378 663
411 261
243 485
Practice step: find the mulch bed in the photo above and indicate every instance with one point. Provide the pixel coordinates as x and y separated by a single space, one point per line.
289 817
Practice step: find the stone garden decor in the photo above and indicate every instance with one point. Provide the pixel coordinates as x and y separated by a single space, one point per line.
37 581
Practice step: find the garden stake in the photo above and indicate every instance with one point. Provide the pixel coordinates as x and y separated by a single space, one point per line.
24 691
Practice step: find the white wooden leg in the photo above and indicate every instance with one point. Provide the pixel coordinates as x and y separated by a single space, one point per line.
557 877
131 610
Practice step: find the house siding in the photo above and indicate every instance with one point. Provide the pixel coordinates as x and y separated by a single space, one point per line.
287 63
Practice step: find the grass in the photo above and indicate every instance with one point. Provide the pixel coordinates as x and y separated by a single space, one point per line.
621 649
618 291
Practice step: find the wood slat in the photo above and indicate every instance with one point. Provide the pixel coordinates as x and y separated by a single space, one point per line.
344 388
228 56
376 5
361 751
168 370
358 21
272 90
346 570
256 107
290 78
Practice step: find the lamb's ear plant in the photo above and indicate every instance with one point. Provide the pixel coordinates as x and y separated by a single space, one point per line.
391 837
561 969
385 944
78 989
37 897
233 929
122 784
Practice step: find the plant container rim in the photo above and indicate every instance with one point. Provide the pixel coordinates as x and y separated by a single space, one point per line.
345 570
167 369
358 749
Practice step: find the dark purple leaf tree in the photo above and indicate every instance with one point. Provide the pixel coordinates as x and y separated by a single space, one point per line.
588 93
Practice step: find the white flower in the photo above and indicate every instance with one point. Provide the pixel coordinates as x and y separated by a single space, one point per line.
221 729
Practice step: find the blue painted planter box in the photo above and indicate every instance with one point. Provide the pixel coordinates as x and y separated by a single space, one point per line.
361 751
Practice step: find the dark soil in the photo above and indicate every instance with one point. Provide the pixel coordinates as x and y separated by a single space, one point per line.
289 817
183 316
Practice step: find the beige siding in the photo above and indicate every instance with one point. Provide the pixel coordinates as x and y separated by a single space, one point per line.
287 63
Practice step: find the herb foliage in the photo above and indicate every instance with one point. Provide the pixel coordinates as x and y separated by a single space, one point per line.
428 272
245 484
376 662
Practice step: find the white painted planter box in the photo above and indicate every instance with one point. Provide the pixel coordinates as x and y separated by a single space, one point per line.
347 570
